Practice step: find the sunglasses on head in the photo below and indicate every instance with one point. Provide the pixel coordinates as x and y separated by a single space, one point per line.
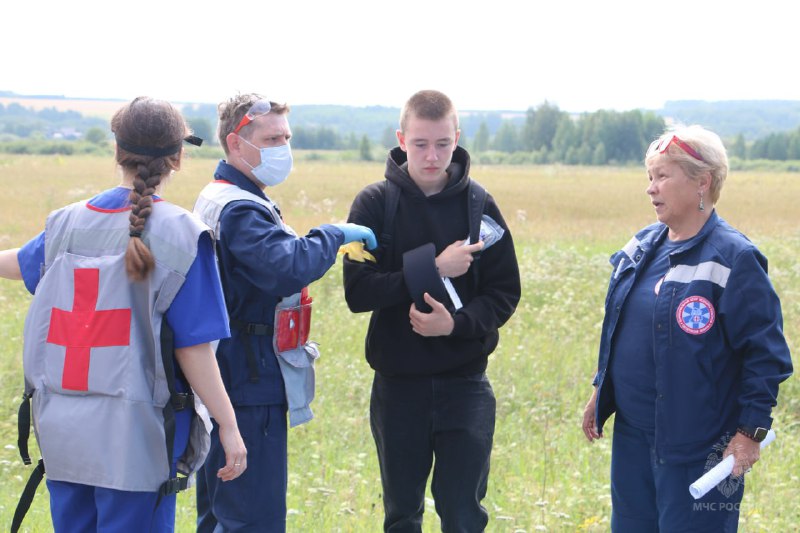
258 109
661 145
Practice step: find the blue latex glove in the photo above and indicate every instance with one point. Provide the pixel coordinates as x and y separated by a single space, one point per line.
354 232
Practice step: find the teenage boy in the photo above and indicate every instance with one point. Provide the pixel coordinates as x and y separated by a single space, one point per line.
432 404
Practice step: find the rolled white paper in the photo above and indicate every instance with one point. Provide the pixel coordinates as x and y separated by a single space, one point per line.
712 478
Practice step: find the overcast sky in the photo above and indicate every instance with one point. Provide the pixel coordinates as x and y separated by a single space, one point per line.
494 54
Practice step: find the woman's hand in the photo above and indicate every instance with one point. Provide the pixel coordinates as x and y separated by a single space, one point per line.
235 453
746 452
589 422
199 365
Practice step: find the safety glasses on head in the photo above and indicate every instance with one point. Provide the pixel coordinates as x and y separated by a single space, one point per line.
661 145
258 109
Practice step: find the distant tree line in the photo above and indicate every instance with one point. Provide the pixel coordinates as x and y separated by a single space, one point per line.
754 119
549 135
19 122
544 134
775 146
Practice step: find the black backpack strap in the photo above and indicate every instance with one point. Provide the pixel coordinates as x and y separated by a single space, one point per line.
476 203
27 496
24 427
391 192
177 401
23 434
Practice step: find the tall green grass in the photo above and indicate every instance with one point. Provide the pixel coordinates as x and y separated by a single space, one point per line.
566 221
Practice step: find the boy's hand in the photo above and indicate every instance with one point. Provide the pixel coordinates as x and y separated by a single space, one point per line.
454 260
437 323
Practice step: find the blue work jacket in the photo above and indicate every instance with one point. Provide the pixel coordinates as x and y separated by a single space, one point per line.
717 337
260 263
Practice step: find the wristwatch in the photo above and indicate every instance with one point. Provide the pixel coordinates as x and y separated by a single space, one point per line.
757 434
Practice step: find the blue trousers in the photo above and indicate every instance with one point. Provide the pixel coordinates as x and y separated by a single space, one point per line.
419 419
77 508
255 501
648 496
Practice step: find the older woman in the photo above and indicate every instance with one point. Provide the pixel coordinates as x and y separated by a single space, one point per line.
691 352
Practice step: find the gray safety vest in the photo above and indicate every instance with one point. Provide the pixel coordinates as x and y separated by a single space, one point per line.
297 365
92 351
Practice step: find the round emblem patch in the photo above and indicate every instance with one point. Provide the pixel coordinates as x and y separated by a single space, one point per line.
695 315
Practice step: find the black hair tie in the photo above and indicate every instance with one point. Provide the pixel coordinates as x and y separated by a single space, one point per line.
154 151
151 151
135 233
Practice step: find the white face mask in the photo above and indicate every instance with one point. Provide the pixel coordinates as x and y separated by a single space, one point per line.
275 166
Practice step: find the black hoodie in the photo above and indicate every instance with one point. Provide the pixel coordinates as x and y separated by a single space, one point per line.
489 298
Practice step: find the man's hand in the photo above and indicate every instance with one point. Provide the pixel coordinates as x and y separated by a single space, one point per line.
454 260
437 323
745 452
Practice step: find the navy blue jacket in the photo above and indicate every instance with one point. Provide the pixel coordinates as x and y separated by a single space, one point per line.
259 264
717 333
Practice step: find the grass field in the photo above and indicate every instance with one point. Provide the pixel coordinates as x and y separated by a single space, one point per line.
566 221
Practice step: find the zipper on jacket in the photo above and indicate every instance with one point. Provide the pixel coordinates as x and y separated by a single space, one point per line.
669 315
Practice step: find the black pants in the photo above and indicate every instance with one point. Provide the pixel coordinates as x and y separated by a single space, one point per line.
415 420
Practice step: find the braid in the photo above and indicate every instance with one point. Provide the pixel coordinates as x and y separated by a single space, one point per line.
142 124
139 260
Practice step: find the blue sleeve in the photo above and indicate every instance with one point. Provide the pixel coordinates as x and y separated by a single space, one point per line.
198 313
31 259
265 256
751 313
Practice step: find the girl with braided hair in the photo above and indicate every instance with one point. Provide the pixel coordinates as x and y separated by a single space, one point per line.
125 285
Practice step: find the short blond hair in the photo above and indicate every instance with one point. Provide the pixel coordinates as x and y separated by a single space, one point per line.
708 146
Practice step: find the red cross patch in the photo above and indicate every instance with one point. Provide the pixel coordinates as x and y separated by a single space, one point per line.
86 327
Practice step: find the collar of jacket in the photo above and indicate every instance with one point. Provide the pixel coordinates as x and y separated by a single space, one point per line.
647 239
228 172
690 243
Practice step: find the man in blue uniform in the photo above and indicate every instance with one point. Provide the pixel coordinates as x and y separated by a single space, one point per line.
263 265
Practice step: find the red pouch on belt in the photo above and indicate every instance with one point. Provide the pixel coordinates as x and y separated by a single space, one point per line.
293 324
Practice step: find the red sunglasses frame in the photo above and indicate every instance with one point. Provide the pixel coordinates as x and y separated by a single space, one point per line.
662 145
258 109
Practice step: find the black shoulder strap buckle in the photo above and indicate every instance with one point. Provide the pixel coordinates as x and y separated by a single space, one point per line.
182 400
248 328
173 486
